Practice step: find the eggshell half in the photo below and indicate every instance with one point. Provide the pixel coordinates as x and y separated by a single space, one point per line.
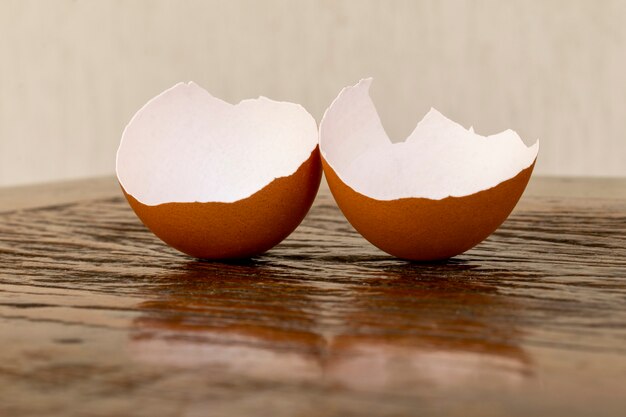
425 199
217 180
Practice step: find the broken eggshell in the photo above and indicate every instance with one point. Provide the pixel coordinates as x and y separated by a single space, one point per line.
216 180
435 195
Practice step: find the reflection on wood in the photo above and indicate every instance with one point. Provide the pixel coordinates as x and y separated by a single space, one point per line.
398 328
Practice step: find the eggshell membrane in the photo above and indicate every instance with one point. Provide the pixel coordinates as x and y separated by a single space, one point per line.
240 229
423 229
186 145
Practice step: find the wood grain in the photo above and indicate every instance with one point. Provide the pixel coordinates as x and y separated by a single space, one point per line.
99 318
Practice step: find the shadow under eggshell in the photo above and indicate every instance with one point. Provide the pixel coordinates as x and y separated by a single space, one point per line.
422 229
240 229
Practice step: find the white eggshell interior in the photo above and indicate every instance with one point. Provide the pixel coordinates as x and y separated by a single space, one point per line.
185 146
439 159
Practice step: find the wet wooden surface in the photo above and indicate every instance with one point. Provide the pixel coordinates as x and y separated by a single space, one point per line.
98 318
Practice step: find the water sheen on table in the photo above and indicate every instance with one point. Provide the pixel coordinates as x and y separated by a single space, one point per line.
99 318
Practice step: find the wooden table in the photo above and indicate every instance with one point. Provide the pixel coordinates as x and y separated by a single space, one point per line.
98 318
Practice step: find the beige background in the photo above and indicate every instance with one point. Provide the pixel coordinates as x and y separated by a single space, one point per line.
73 72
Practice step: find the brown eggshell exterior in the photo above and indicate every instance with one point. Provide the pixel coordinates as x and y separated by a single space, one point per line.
241 229
422 229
